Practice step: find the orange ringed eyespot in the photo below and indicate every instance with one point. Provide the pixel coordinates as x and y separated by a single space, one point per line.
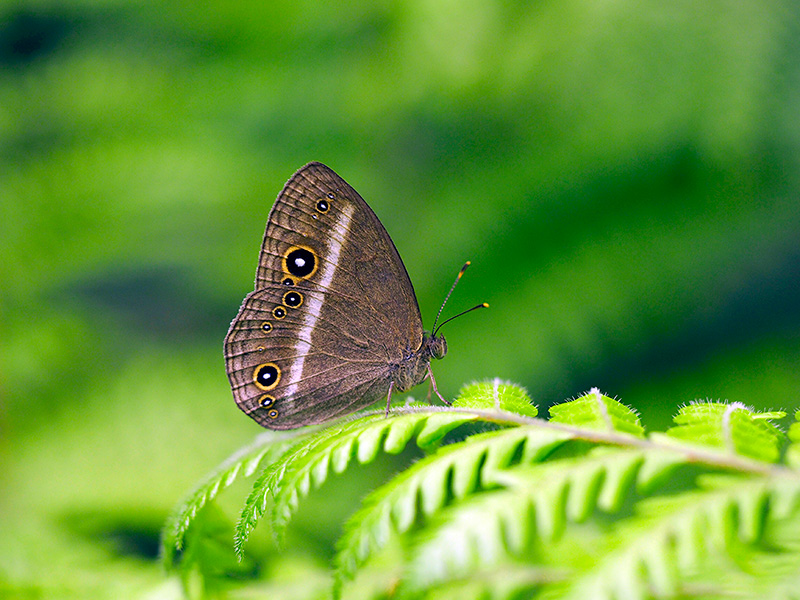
267 376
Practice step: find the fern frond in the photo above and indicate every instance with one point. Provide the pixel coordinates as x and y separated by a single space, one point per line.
733 426
775 567
641 557
452 473
308 465
793 451
702 527
593 410
510 581
244 462
536 501
580 506
498 395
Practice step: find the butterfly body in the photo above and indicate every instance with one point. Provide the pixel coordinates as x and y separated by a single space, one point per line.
333 324
413 369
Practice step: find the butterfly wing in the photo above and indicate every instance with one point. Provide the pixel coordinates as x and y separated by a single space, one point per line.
333 310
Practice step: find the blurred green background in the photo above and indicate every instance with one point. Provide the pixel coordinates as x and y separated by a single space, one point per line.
623 176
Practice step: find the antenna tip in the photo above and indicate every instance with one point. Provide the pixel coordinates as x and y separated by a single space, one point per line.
485 305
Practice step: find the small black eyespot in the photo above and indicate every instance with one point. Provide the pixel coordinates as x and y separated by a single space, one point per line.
330 195
288 281
266 326
266 376
301 262
323 206
292 299
260 348
278 312
273 414
266 401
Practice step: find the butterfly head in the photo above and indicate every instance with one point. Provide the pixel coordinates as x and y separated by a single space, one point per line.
435 344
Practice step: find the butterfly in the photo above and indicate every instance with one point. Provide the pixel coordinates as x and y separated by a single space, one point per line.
333 324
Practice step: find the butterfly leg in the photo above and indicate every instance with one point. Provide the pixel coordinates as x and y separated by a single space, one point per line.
433 385
389 397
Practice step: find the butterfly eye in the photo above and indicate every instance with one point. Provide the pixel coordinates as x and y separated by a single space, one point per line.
323 206
300 262
266 326
267 376
278 312
266 401
293 299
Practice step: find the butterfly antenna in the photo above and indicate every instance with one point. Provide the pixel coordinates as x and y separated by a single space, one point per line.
469 310
446 298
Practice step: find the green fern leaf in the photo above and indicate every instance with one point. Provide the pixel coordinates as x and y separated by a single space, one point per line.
774 568
596 411
582 506
208 561
511 581
453 472
734 427
265 484
496 395
793 451
307 465
264 449
674 538
537 500
645 555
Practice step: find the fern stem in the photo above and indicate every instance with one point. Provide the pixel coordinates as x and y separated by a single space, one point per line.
691 453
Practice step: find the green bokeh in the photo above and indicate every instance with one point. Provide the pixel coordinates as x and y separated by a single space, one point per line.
623 176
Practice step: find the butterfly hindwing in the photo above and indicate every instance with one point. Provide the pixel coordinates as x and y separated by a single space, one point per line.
332 311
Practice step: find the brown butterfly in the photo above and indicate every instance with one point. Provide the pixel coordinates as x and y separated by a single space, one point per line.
333 324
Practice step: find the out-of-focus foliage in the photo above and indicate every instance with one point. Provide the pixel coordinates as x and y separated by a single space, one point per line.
623 176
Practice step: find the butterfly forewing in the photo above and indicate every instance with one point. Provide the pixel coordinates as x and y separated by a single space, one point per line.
333 308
